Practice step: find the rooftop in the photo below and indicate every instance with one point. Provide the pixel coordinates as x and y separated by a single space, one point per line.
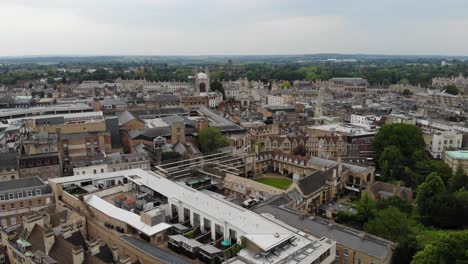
125 216
458 154
21 184
265 233
355 239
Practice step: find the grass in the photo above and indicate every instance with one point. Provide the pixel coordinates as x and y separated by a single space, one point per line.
280 183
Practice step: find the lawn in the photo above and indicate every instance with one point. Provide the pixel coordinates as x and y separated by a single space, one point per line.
280 183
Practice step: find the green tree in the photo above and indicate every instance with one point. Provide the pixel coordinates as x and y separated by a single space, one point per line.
396 226
365 209
408 138
217 86
429 196
211 139
300 150
458 180
394 201
285 85
391 163
448 249
407 92
451 89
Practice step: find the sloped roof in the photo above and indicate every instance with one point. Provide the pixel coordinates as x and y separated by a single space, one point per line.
315 181
125 117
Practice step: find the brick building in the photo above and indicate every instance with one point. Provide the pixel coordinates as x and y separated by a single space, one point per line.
22 196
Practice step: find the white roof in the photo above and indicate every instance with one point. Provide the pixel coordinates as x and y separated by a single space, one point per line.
263 232
125 216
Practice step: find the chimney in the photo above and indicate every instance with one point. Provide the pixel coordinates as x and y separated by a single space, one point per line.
340 167
49 240
115 253
78 255
94 246
66 230
125 260
30 221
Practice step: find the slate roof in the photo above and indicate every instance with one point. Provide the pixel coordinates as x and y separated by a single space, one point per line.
21 184
349 237
8 161
315 181
125 117
62 249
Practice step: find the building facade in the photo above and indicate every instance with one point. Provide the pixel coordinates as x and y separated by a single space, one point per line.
21 197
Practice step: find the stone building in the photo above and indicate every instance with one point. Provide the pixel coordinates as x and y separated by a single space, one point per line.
21 197
39 155
323 146
8 166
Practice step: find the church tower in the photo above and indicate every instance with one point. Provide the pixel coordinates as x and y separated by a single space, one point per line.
202 82
318 105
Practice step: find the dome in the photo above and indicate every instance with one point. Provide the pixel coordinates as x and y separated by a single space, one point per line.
202 75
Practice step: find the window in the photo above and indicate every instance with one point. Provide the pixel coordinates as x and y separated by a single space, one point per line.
20 195
94 171
38 192
30 203
39 201
102 170
12 206
346 253
29 194
3 207
2 197
21 205
358 261
10 196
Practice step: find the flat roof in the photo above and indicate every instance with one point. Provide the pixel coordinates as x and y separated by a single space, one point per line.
67 117
344 128
155 252
355 239
125 216
458 154
41 109
263 232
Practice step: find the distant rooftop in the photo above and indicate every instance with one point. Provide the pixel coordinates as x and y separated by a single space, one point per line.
458 154
21 184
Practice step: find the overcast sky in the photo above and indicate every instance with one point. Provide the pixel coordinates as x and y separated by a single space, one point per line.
233 27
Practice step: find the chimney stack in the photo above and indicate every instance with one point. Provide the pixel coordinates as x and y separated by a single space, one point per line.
78 255
66 230
94 246
115 253
49 240
125 260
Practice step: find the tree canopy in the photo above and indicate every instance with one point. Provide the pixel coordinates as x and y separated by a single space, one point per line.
407 138
211 139
392 224
448 249
391 163
451 89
